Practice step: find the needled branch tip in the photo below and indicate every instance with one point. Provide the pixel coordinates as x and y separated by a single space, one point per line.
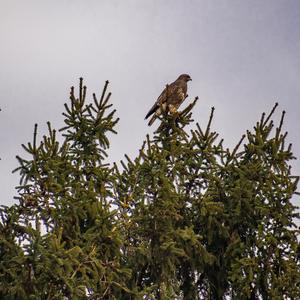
270 115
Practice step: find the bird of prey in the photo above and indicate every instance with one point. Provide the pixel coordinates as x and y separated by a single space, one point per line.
170 98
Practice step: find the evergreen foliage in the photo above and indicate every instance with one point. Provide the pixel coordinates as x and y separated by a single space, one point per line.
186 219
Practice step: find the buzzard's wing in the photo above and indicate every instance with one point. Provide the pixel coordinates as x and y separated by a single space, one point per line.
163 97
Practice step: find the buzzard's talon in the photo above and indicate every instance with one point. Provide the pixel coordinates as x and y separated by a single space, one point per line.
170 99
176 114
172 109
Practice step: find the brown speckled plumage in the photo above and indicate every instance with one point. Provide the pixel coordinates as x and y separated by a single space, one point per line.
170 98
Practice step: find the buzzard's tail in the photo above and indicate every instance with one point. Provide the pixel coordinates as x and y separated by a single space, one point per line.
152 120
151 111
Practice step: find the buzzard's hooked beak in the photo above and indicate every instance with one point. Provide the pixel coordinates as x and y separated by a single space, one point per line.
190 79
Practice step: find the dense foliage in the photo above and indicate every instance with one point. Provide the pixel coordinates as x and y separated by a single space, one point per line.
186 219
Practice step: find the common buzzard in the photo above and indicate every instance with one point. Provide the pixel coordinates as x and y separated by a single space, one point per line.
170 98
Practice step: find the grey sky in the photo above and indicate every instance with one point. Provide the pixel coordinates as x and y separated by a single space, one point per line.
243 56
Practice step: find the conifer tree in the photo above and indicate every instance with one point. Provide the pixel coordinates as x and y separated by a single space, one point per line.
186 219
204 222
63 236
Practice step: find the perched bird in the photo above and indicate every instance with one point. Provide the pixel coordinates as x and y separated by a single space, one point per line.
170 98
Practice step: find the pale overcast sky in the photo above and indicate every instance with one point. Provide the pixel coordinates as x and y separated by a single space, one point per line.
243 56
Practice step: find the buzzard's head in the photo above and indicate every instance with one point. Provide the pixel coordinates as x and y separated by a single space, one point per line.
185 77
